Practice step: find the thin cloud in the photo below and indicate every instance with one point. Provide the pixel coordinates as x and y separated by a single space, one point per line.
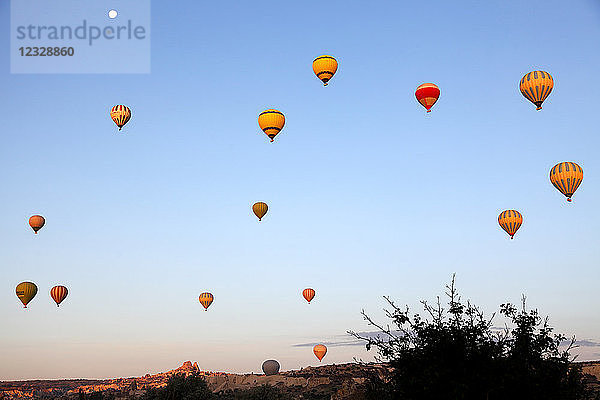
587 343
347 340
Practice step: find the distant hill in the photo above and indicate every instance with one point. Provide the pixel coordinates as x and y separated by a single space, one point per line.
338 381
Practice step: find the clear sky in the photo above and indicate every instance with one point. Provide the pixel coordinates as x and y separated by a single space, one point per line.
368 196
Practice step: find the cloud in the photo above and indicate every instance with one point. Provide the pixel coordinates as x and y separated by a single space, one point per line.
346 340
586 343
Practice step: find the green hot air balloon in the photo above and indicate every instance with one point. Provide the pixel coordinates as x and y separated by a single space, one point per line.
26 291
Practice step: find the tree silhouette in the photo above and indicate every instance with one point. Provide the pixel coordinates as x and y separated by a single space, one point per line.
455 353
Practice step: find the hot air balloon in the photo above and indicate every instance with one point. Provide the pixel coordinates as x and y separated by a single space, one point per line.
308 294
320 350
206 300
120 114
270 367
36 222
58 294
325 67
566 177
271 122
260 209
536 86
26 291
427 94
510 221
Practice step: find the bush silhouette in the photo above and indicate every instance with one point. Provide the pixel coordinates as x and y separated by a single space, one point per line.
263 392
455 353
181 387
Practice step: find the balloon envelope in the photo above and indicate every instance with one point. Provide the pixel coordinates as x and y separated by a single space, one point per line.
510 221
58 294
26 291
427 94
120 114
325 67
308 294
270 367
320 350
566 177
536 86
36 222
206 299
271 122
260 209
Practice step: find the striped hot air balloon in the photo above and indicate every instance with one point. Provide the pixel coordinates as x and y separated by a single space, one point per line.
26 291
271 122
320 350
120 114
536 86
36 222
58 294
325 67
510 221
260 209
308 294
427 94
206 300
566 177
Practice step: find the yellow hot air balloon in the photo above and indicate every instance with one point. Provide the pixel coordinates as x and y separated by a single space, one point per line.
206 300
325 67
536 86
260 209
510 221
120 114
271 122
26 291
566 177
320 350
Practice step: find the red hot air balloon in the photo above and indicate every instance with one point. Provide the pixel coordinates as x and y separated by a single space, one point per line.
308 294
58 294
427 94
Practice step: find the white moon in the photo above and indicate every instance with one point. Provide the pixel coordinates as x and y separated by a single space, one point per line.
112 14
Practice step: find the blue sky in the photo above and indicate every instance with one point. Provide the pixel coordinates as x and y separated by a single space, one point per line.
368 195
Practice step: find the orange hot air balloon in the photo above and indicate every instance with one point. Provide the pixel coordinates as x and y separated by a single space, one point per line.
325 67
36 222
535 86
206 300
271 122
58 294
120 114
308 294
510 221
260 209
566 177
427 94
320 350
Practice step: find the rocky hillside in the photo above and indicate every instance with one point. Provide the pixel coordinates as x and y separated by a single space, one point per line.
339 381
